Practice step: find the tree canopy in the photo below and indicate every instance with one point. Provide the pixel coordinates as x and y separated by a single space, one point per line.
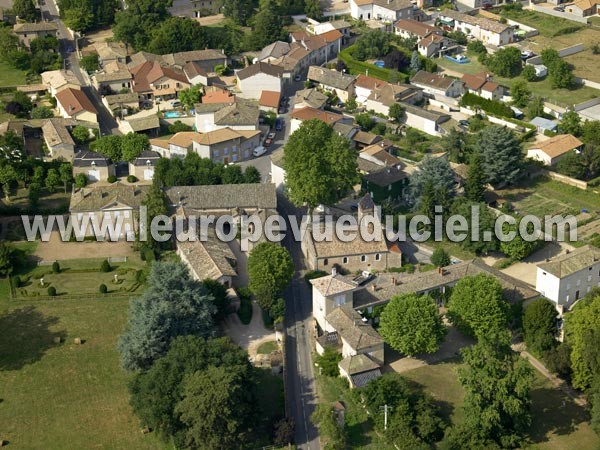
172 305
432 185
476 306
540 325
320 165
270 268
411 324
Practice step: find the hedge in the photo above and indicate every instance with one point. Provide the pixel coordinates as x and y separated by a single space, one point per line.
356 67
490 106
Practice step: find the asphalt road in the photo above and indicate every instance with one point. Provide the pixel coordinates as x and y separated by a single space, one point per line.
108 125
300 390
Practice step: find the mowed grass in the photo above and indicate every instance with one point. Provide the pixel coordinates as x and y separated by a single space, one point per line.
553 426
542 88
66 396
9 76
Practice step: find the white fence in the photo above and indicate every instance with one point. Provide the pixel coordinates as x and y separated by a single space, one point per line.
562 15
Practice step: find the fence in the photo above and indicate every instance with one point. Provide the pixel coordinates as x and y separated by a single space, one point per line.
559 14
566 180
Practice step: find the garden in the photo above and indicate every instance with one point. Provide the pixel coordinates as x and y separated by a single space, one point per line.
78 278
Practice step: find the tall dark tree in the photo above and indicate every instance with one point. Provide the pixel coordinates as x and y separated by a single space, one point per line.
238 10
432 185
455 144
270 269
501 155
475 184
172 305
540 325
266 26
177 34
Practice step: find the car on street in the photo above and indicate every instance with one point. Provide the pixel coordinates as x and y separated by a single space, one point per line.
271 135
297 78
268 142
463 123
259 151
279 124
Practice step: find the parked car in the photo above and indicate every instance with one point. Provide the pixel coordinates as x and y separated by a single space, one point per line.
463 123
268 142
279 124
560 8
297 78
271 136
175 103
259 151
526 54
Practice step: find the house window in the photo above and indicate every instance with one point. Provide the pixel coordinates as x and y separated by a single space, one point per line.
363 258
216 153
226 151
325 261
345 261
234 158
126 214
377 257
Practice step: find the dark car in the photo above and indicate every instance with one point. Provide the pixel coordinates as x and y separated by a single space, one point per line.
279 124
463 123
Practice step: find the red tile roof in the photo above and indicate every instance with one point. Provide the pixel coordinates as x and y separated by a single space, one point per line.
269 98
74 101
309 113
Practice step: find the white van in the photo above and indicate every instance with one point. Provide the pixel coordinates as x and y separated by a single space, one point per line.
259 151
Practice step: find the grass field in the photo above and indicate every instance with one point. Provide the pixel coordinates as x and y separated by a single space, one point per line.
267 347
56 202
553 427
9 76
66 396
542 88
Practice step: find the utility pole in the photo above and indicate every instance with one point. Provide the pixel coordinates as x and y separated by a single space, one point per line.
386 409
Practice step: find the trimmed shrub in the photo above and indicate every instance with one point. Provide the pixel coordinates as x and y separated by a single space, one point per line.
51 291
111 179
103 289
55 267
132 179
105 266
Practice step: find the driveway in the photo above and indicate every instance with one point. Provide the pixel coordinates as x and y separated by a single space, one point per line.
526 270
249 336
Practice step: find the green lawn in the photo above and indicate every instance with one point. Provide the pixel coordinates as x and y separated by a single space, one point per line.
546 24
55 202
9 76
553 427
542 88
66 396
267 347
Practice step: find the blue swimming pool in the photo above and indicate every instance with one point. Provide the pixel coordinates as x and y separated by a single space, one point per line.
172 114
379 64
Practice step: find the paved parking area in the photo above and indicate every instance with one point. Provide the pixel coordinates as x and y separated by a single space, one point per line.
526 270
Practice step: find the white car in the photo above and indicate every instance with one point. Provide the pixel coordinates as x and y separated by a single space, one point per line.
271 136
259 151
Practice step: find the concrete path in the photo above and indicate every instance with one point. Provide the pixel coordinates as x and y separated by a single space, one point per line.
559 383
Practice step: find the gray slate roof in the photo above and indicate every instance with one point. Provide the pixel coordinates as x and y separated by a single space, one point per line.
225 196
330 77
349 325
85 159
99 197
569 263
147 156
238 113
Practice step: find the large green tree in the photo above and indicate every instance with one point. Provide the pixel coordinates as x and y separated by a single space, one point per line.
455 144
476 306
216 408
109 146
320 165
266 26
520 93
270 269
486 240
506 62
497 385
238 11
570 123
156 395
177 34
132 145
411 324
540 325
172 305
84 15
25 10
581 325
501 155
7 256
